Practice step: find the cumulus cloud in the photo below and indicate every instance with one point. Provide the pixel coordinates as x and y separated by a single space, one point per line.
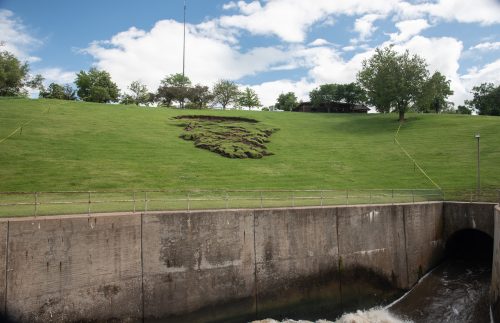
486 46
408 28
488 73
290 19
268 92
57 75
364 25
485 12
319 42
15 37
151 55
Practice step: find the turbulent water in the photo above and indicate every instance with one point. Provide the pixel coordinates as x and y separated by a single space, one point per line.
456 291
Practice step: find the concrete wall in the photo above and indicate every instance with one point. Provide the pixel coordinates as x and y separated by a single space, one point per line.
495 271
221 265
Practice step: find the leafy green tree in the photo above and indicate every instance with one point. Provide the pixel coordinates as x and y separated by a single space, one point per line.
462 109
225 92
393 81
140 94
57 91
435 91
174 87
14 76
350 93
199 96
96 86
286 101
486 99
248 98
325 93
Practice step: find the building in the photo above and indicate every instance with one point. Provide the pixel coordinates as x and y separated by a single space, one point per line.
332 107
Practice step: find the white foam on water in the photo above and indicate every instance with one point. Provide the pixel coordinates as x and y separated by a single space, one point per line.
374 315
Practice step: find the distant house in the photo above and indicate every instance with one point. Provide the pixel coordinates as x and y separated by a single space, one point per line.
332 107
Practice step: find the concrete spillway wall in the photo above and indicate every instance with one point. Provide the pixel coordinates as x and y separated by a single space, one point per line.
495 271
221 265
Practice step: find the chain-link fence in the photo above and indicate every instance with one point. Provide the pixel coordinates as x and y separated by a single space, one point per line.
89 202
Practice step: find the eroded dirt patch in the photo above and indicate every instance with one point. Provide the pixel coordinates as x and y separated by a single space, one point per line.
232 137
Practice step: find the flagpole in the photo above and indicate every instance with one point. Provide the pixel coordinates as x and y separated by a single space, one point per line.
184 43
184 52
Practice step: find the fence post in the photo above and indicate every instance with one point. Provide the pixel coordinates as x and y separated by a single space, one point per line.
188 205
133 196
36 203
347 196
145 202
261 200
392 196
413 196
88 210
321 198
370 197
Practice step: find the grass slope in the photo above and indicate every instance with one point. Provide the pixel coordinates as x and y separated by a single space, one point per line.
86 146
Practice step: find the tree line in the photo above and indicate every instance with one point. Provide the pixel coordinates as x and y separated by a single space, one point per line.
389 81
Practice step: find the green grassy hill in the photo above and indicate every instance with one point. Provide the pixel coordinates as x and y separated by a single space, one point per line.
85 146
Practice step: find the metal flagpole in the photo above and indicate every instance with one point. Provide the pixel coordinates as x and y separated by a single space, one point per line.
184 43
184 52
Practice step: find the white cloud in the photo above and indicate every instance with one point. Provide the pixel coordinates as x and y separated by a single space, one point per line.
486 46
268 92
319 42
408 29
149 56
56 75
290 19
364 25
485 12
488 73
15 37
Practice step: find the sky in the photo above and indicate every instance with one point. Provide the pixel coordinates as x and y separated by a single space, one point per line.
272 46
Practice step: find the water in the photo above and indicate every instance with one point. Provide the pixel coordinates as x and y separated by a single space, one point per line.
456 291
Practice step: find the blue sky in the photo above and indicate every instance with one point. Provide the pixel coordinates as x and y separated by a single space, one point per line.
274 46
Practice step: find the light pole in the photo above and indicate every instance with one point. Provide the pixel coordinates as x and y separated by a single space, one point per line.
478 136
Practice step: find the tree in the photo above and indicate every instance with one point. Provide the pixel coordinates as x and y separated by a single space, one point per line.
140 94
199 96
96 86
174 87
462 109
326 93
248 98
57 91
350 93
225 92
14 76
286 101
486 99
435 91
393 81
